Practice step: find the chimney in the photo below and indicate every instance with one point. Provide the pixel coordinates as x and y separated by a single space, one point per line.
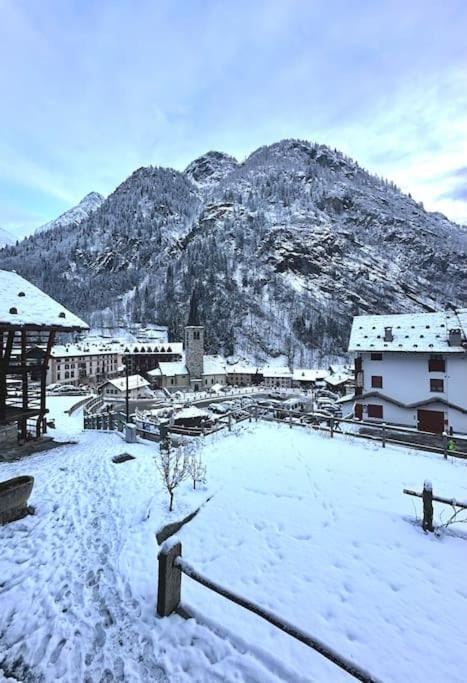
455 337
388 336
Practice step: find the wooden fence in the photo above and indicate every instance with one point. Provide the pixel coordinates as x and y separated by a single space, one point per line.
171 568
371 431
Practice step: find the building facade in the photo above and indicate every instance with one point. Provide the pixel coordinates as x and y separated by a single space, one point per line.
411 370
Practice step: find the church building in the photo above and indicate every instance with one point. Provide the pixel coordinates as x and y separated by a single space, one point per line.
195 371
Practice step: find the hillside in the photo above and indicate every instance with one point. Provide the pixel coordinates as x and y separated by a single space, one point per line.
76 214
284 247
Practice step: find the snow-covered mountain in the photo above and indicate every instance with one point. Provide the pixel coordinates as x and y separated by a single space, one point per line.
6 238
76 214
284 247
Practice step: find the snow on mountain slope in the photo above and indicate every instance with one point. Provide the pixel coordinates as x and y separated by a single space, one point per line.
76 214
6 238
284 248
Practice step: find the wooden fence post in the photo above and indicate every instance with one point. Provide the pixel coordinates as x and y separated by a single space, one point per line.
427 497
111 421
384 435
445 445
170 578
331 424
256 412
230 422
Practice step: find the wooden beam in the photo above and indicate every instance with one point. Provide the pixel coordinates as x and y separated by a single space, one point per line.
3 368
24 384
438 499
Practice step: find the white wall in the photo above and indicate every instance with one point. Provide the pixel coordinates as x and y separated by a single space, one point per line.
406 378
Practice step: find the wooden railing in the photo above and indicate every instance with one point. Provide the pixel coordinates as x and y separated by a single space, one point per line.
171 568
382 433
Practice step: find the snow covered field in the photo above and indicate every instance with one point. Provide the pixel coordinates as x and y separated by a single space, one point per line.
315 529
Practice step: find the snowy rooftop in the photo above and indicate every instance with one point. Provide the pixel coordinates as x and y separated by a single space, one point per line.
134 382
241 370
213 365
93 348
276 372
338 378
21 303
417 332
191 412
169 369
308 374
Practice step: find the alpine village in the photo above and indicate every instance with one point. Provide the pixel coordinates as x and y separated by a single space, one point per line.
233 392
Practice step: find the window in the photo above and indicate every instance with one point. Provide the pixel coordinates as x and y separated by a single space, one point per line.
436 385
196 334
376 381
436 364
376 356
375 411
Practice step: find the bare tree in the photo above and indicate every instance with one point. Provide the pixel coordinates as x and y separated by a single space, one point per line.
172 464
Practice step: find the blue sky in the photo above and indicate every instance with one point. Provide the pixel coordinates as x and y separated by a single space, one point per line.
92 90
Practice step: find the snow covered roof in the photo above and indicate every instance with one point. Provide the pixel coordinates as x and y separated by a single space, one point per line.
23 304
169 369
276 372
190 412
151 347
241 370
101 347
213 365
338 378
308 374
134 382
83 349
416 332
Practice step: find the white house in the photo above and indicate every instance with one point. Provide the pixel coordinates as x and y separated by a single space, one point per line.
411 369
277 377
116 388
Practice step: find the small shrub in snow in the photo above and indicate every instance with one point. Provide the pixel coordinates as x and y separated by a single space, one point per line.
196 468
172 464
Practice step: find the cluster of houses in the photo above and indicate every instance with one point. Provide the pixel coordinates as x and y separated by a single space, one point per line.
410 369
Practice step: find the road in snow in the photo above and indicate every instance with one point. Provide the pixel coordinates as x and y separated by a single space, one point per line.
315 529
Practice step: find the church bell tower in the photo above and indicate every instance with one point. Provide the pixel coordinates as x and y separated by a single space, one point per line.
194 345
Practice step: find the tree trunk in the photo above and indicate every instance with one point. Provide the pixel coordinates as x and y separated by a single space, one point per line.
171 501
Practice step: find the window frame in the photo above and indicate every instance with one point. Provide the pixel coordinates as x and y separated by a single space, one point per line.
376 381
436 385
376 355
371 407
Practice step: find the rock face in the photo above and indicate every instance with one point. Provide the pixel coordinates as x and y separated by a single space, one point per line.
75 215
284 249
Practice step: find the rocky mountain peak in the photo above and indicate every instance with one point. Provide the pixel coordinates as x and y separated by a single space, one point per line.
90 203
210 168
284 249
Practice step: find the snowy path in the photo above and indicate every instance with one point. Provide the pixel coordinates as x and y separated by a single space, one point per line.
81 615
78 580
314 529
